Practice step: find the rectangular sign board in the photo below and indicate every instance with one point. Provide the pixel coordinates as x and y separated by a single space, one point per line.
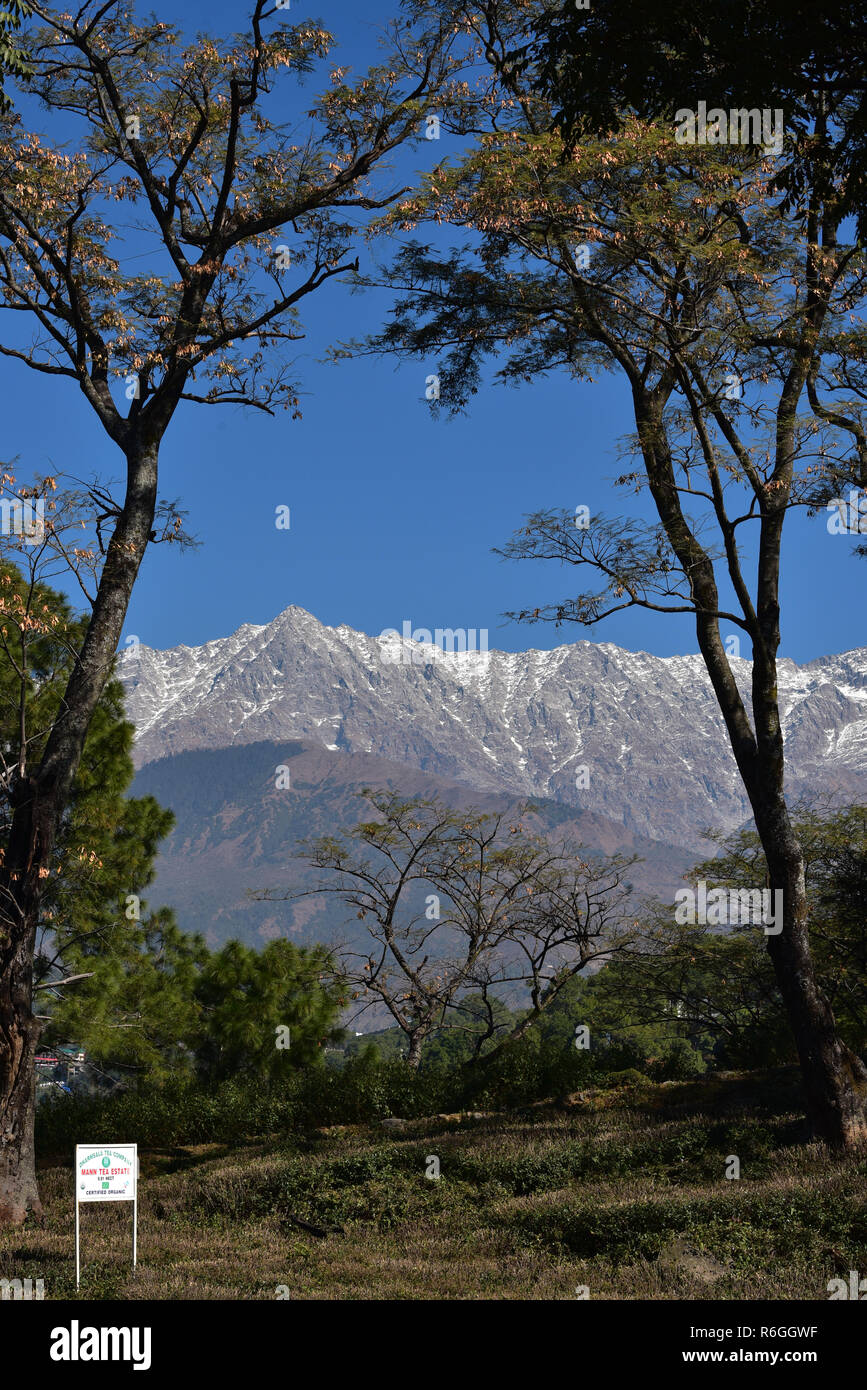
105 1174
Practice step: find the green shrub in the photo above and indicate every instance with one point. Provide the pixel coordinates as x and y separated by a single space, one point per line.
680 1062
361 1091
630 1076
189 1112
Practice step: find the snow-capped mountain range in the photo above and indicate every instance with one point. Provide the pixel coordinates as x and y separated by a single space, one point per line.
634 737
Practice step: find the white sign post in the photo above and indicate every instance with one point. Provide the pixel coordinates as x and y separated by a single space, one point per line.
106 1174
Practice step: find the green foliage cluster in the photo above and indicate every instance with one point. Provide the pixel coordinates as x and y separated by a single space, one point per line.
13 58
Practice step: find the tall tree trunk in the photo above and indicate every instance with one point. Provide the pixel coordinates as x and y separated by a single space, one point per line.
38 802
31 839
19 1037
834 1077
835 1080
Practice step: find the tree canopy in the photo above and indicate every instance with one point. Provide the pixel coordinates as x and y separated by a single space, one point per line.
732 318
598 63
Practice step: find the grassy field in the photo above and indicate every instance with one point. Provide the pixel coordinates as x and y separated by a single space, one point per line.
619 1192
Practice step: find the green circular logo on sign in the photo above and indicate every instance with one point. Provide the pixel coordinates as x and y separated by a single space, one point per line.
106 1162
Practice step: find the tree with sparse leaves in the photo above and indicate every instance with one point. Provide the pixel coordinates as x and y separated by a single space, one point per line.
734 324
460 906
243 213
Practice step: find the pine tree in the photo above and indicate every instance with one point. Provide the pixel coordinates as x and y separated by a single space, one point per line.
129 1000
264 1012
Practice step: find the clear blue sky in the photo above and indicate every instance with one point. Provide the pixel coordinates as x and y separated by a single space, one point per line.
393 514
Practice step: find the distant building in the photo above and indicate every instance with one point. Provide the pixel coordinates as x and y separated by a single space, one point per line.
57 1067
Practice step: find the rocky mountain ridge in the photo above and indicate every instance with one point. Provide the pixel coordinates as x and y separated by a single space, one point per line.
633 737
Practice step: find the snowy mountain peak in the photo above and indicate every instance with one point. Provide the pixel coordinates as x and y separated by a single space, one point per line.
633 736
